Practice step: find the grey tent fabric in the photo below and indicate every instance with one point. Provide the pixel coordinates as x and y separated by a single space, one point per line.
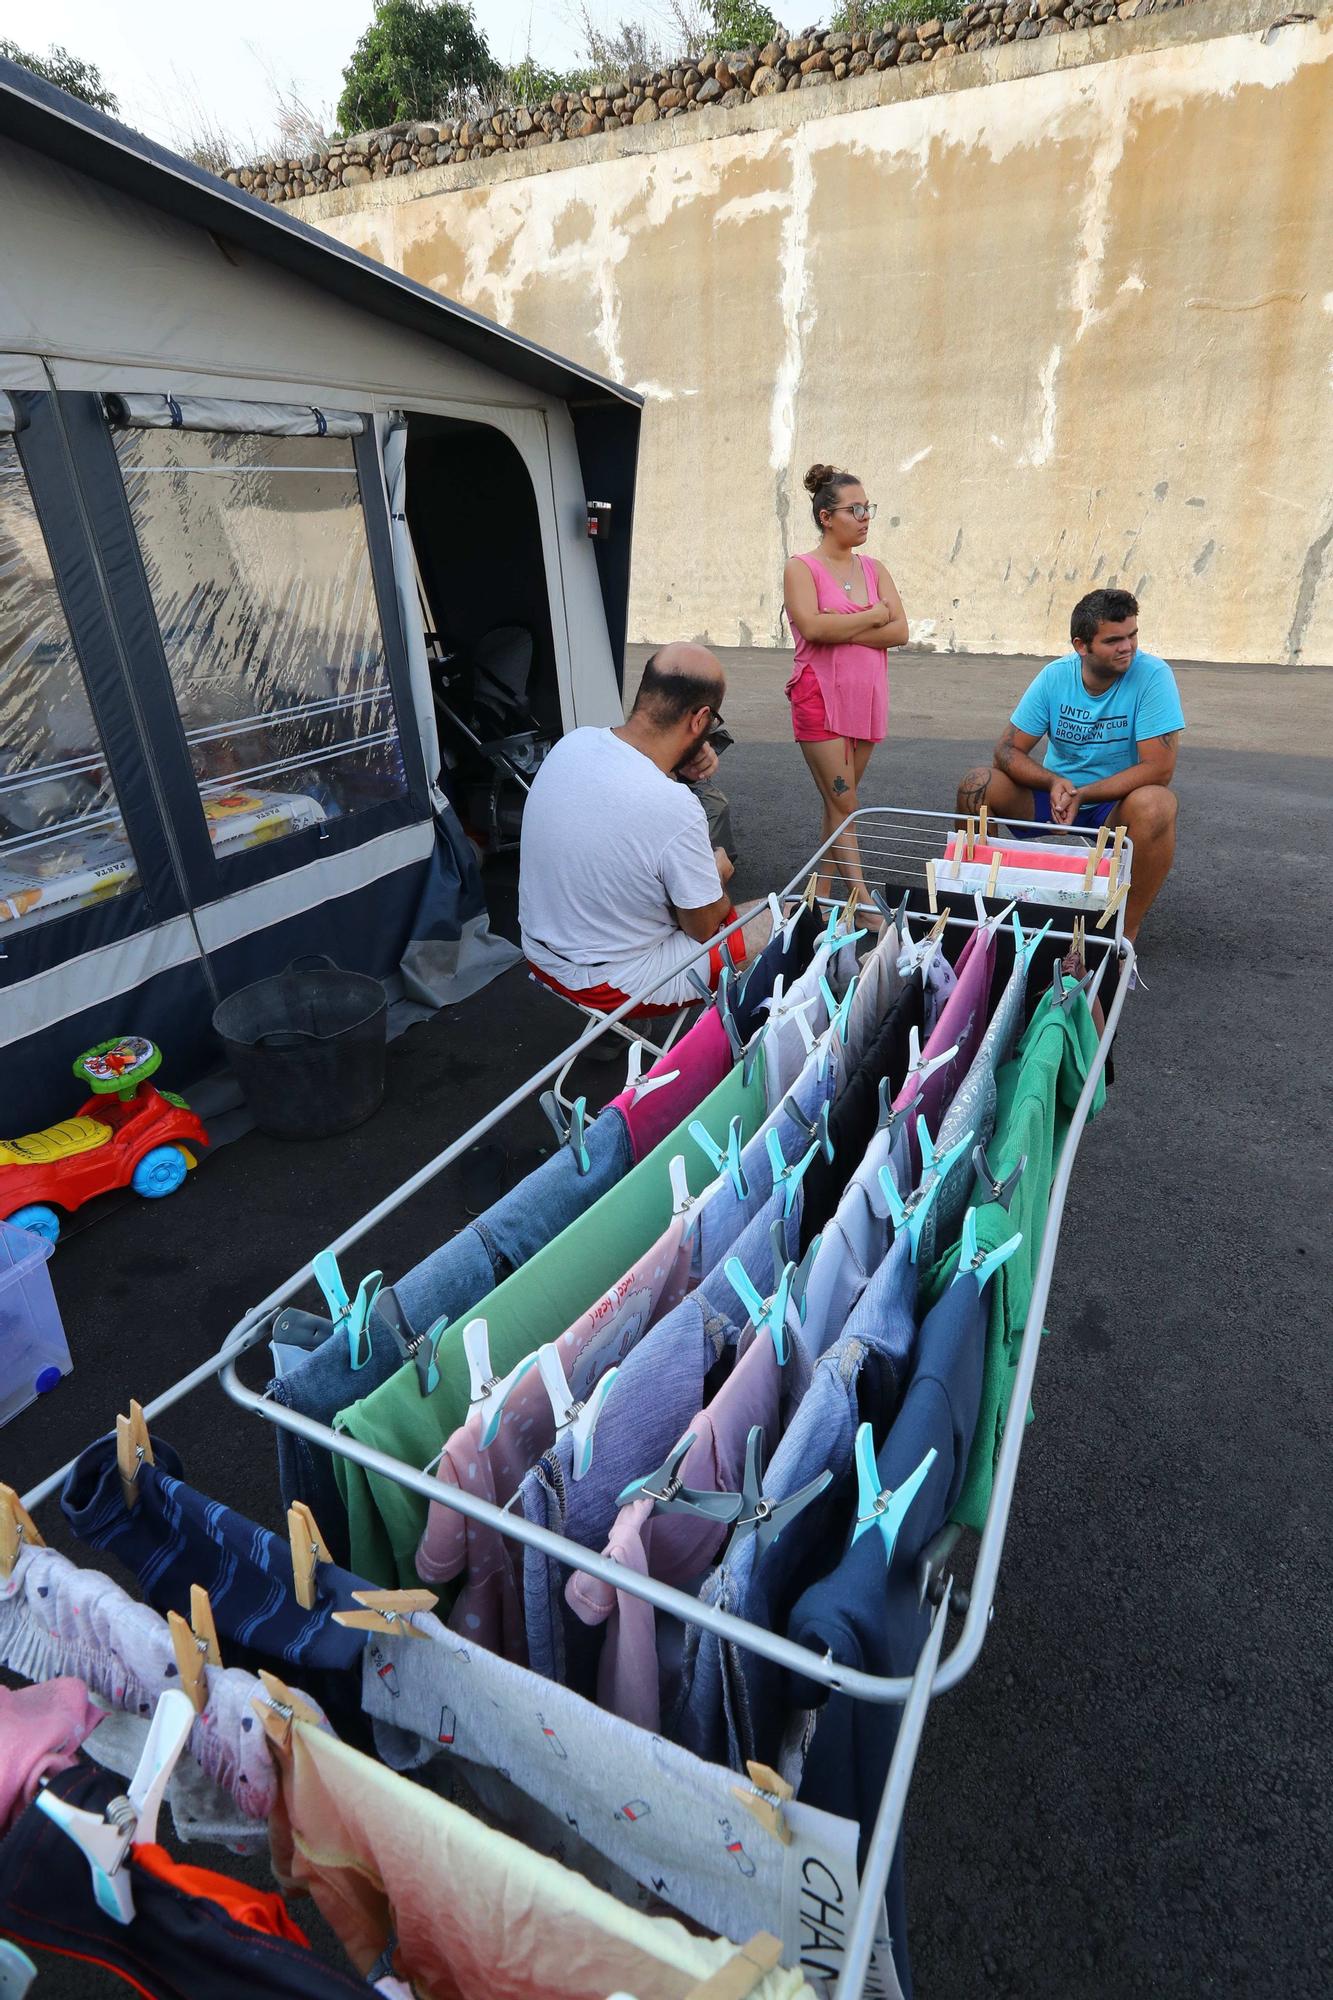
212 413
8 417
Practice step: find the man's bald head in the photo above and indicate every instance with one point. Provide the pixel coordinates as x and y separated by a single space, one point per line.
679 681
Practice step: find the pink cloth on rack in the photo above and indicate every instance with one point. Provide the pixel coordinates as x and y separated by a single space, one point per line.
962 1020
489 1607
41 1729
676 1548
702 1057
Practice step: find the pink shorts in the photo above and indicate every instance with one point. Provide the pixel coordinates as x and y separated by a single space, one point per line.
809 721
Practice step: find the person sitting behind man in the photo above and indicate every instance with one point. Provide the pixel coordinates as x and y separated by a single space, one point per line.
618 883
1112 717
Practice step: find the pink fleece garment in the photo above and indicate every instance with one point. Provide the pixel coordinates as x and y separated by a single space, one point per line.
41 1729
962 1020
703 1058
489 1607
676 1548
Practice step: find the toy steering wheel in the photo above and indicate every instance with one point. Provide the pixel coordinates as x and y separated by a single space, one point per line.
119 1065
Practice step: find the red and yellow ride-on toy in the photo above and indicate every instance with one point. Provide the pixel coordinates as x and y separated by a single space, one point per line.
127 1134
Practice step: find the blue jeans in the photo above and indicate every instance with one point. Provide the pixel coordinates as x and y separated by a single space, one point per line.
466 1269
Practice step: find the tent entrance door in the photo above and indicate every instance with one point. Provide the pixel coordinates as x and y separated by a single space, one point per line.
475 528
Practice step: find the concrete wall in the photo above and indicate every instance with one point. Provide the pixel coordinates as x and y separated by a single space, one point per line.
1072 327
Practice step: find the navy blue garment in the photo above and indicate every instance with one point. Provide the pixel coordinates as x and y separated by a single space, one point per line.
467 1269
855 1111
322 1383
778 957
176 1947
174 1537
867 1615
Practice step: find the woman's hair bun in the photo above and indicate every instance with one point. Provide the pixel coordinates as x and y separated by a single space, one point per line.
819 475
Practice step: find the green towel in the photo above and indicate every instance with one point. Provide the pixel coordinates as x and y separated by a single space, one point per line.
536 1304
1036 1095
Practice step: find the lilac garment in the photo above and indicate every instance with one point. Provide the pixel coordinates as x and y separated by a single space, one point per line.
784 1045
701 1058
962 1021
675 1548
973 1110
851 1247
56 1618
41 1729
729 1704
489 1607
659 1389
940 977
723 1214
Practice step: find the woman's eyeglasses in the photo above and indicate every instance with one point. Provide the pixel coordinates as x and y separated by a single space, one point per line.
860 510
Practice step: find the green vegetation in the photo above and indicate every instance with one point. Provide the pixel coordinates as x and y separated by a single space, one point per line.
739 23
67 72
413 59
858 17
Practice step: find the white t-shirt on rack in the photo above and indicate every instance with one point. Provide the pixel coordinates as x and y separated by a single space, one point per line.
610 847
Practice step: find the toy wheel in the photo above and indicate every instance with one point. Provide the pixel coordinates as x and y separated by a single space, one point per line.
40 1219
159 1172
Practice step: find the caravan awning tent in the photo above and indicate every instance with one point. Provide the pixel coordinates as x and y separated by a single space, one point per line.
218 747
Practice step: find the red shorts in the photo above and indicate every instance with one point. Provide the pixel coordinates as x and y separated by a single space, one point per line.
809 721
604 999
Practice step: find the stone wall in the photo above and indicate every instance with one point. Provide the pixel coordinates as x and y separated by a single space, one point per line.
640 97
1066 306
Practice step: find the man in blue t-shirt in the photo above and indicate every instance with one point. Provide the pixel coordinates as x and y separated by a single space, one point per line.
1112 718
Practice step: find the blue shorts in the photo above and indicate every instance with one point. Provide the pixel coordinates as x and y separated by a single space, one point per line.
1086 816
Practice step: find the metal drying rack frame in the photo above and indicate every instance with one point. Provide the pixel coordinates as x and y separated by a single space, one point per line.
889 837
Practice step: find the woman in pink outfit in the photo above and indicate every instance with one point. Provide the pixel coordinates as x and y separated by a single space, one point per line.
845 612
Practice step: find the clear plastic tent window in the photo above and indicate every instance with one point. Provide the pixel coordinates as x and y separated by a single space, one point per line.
257 559
62 844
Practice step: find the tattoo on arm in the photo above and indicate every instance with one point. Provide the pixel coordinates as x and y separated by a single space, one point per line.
972 791
1170 739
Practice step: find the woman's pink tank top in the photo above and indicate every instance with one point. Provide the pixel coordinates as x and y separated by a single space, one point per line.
854 680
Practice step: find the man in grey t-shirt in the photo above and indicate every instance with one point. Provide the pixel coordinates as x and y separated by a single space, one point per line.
618 881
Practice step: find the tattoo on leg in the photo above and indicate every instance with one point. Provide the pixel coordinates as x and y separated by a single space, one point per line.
840 786
972 791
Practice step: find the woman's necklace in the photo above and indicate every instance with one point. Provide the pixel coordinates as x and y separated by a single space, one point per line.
846 588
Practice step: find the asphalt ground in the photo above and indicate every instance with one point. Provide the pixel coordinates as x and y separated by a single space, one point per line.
1130 1793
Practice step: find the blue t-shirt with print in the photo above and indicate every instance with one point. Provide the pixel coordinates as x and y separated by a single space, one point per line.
1093 736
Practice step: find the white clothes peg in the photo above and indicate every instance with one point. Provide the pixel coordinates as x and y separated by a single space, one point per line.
131 1820
489 1391
579 1419
639 1085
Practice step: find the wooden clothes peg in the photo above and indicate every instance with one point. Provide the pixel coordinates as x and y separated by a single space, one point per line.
16 1527
1094 859
936 931
931 890
132 1450
808 899
757 1957
387 1611
277 1708
1112 905
767 1795
1113 880
985 817
195 1646
971 839
994 875
309 1549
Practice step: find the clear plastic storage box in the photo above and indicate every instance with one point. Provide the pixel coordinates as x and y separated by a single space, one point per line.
34 1353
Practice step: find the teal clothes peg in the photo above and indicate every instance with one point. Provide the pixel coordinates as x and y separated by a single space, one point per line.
723 1159
815 1129
882 1509
569 1131
765 1315
787 1174
981 1264
351 1314
911 1213
839 1011
329 1279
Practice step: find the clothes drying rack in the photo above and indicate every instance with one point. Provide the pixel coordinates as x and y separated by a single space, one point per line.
898 843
